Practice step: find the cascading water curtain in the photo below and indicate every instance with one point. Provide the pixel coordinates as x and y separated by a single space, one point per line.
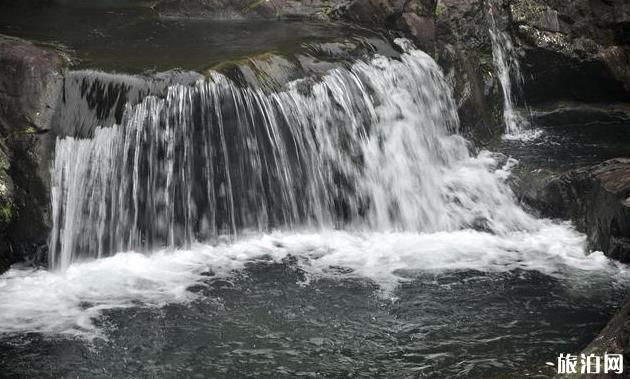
371 147
508 70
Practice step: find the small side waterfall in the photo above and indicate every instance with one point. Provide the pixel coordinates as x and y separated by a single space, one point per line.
370 147
508 70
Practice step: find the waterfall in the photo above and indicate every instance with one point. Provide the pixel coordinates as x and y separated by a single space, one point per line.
369 147
508 70
359 174
92 98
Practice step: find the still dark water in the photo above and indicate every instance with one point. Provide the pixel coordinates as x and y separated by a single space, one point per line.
560 148
132 39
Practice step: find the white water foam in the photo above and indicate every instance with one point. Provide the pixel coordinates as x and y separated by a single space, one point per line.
67 302
527 135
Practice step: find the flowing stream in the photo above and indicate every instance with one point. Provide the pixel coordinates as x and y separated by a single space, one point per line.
508 71
338 226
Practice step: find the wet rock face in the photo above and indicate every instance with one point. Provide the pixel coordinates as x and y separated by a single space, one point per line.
415 18
613 339
598 199
464 51
30 85
574 50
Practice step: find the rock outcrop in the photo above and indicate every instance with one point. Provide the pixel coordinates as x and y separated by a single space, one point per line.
598 200
613 339
574 49
415 18
570 50
464 50
30 86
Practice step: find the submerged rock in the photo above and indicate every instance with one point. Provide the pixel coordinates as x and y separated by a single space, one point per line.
597 198
414 18
576 113
243 8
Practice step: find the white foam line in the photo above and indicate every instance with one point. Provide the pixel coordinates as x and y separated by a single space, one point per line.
67 302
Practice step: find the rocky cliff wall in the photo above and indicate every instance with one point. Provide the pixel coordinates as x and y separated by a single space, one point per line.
30 86
574 50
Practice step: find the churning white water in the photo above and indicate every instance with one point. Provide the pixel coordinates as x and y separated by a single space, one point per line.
67 302
362 169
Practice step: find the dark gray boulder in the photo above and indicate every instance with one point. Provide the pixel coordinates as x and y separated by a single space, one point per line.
30 86
597 198
613 339
415 18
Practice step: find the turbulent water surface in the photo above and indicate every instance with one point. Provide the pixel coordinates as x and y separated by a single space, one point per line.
330 303
335 226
